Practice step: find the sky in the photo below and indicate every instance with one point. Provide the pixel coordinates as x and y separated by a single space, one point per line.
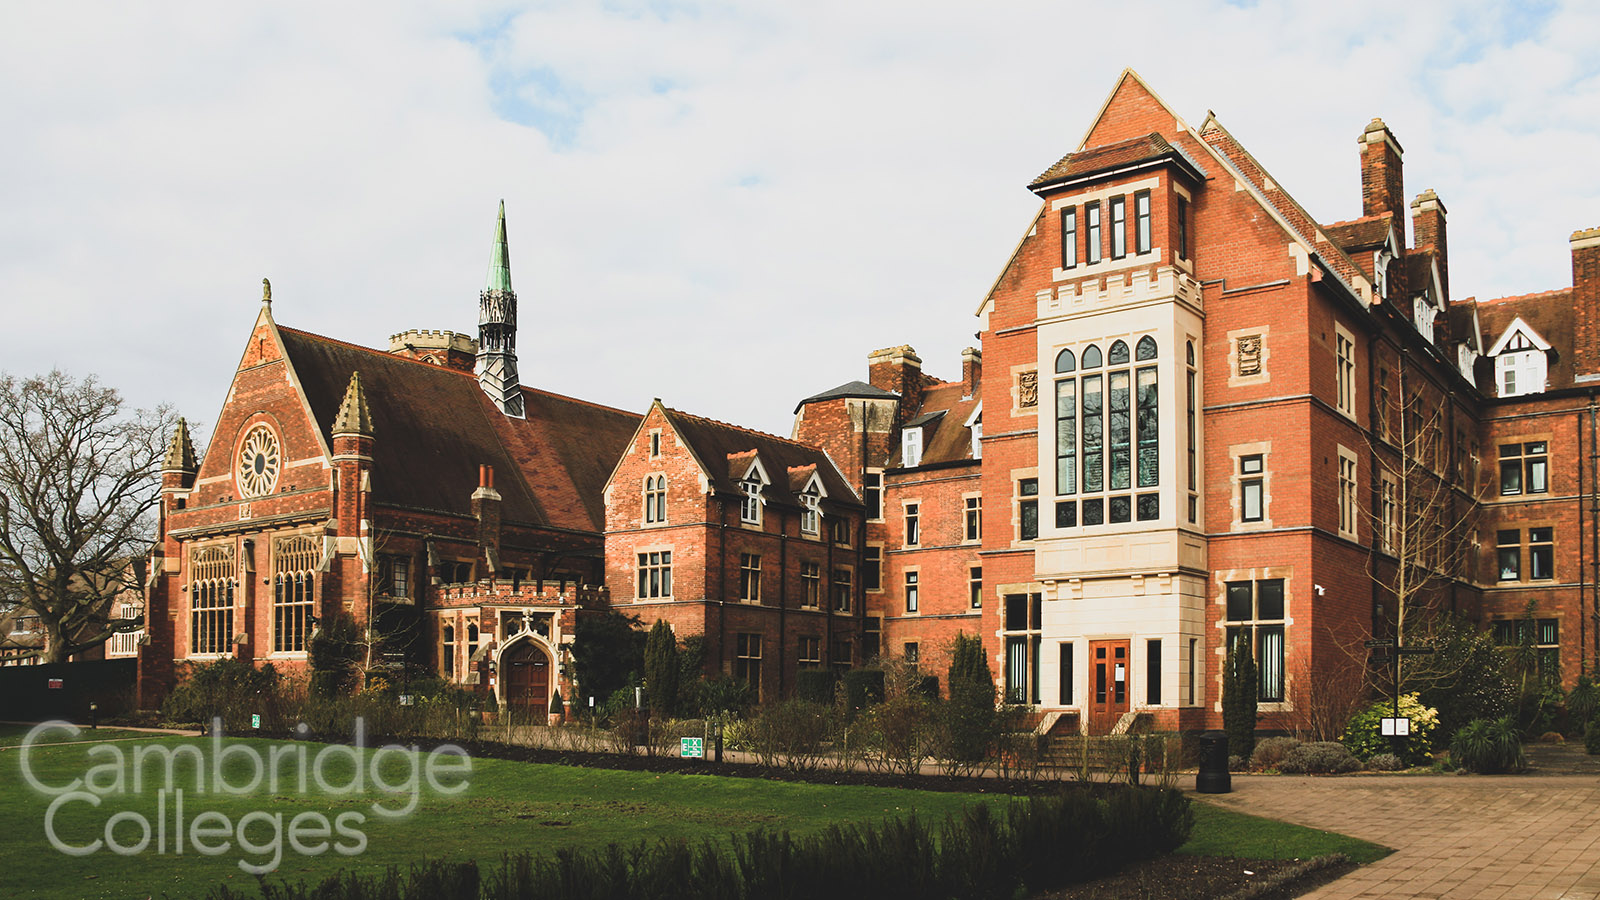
724 205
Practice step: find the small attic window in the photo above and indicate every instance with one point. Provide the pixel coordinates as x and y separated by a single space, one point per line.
1520 372
809 516
1520 361
911 447
1423 314
750 505
977 437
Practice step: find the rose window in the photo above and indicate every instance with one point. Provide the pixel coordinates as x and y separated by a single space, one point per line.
258 462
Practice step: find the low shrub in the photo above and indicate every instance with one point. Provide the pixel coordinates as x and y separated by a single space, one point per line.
1319 758
1487 746
1552 737
1385 762
1026 847
862 688
815 685
1363 735
1583 701
1270 752
1591 737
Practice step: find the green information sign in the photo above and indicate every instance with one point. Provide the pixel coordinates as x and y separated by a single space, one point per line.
255 721
693 748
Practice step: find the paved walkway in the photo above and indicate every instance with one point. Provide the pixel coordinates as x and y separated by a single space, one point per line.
1456 837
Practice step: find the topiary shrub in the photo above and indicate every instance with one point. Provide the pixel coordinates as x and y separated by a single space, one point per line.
1240 699
1486 746
815 685
1319 758
1363 737
1270 752
1385 762
1591 738
862 688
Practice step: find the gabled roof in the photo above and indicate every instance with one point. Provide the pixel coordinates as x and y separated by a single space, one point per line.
728 451
852 389
1548 314
434 426
1120 155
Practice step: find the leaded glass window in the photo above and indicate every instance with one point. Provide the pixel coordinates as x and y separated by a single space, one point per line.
1107 434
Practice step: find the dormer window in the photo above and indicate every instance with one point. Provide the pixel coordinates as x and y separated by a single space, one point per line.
750 506
1380 271
974 425
1520 361
1423 312
911 447
809 515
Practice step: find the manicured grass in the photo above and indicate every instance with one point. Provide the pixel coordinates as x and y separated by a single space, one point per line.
1222 832
12 735
508 806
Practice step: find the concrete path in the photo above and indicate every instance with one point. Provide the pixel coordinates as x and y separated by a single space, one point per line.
1456 837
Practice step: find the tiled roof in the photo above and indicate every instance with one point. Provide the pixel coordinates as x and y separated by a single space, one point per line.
1549 313
1367 233
433 426
1111 156
852 389
950 440
727 451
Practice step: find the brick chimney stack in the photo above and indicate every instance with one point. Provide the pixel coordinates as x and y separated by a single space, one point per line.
1427 230
971 371
1382 182
486 508
898 370
1586 302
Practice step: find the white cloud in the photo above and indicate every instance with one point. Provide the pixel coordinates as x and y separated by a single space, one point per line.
726 205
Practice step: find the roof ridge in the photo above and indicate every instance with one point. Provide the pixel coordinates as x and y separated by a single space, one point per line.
1530 296
765 434
436 367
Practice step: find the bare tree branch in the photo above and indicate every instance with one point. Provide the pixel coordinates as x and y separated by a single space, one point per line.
79 481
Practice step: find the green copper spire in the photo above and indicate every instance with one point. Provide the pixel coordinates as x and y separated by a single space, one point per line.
500 262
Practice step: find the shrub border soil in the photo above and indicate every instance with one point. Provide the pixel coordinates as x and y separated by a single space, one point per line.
1176 876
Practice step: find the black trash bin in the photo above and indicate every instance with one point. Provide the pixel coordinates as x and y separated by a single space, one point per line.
1213 777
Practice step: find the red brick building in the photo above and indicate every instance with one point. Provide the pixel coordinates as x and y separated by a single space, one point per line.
422 491
747 539
1210 417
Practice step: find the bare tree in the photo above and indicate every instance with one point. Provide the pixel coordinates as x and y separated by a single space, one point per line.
1424 515
79 479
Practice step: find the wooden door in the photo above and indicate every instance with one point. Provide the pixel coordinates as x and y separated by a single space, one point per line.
1108 684
526 670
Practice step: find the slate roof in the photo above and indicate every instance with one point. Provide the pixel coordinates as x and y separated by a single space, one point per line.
433 426
726 451
1114 156
852 389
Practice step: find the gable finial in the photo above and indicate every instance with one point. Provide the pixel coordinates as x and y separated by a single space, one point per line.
266 292
354 416
180 451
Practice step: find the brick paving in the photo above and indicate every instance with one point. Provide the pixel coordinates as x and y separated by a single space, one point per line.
1508 837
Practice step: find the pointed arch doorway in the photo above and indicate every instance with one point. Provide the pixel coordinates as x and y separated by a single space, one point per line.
525 668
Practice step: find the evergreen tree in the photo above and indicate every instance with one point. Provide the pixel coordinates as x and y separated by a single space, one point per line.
970 678
661 669
1239 699
970 716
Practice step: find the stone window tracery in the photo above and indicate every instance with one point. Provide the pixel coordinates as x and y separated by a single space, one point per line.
259 459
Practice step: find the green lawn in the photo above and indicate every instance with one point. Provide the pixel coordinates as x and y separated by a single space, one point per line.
506 806
12 735
1222 832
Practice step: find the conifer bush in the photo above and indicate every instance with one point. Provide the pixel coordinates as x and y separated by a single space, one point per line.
1240 699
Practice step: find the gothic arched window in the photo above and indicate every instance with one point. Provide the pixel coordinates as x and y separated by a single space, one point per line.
294 564
212 579
655 498
1108 437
